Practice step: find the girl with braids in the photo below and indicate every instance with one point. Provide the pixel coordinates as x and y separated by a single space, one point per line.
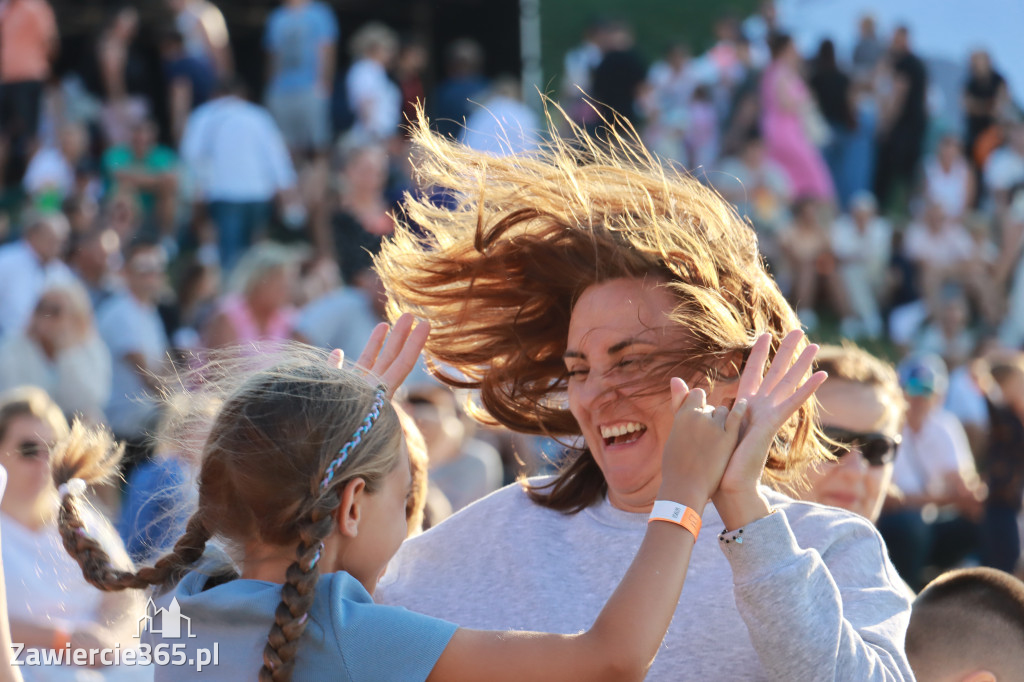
565 288
305 477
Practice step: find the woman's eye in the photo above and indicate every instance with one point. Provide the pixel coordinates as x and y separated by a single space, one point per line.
576 373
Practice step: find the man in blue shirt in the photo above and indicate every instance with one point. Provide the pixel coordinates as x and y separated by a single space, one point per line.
301 39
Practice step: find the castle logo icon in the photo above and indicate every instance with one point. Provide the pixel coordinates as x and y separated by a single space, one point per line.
166 622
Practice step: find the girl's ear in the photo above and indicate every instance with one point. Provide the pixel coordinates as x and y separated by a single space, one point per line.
350 510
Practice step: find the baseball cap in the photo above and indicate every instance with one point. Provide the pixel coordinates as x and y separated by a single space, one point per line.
923 374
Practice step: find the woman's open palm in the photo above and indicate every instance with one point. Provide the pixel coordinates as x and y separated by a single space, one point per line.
772 398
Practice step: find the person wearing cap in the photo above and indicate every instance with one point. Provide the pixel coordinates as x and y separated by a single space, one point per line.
932 520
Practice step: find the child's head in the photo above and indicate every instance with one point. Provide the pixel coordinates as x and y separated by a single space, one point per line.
968 625
303 469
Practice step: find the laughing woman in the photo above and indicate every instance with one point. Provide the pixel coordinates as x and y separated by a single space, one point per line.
566 289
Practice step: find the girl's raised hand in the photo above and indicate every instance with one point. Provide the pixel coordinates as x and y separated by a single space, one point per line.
772 398
391 363
699 447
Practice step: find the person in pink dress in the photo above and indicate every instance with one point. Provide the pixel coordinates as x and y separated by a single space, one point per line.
788 121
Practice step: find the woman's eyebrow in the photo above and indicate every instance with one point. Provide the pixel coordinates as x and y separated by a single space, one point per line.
613 349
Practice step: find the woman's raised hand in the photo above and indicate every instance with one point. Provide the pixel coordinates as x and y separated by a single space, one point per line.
391 363
772 397
699 447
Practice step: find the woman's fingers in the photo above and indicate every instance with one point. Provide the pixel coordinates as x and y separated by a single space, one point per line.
753 370
781 362
412 344
696 400
679 391
336 358
395 343
368 358
734 421
796 373
720 415
790 405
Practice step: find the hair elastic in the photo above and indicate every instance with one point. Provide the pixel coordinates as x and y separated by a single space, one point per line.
356 439
74 486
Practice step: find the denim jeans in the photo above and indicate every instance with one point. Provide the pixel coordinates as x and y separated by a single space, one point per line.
238 224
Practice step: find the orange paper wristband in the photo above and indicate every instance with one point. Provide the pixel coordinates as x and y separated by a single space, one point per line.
676 513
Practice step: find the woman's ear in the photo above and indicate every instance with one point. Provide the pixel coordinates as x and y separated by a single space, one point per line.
350 510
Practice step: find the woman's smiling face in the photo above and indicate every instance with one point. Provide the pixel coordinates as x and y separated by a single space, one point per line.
624 415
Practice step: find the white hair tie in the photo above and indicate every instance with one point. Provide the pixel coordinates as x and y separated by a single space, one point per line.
75 486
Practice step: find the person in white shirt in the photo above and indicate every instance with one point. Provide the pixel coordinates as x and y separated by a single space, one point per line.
862 244
134 333
239 163
27 266
944 251
503 124
52 169
374 99
1004 167
949 180
933 519
61 353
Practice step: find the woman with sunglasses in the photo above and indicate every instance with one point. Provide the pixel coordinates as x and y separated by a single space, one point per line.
861 408
49 603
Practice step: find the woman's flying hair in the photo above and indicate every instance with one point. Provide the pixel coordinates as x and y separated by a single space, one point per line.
499 264
279 421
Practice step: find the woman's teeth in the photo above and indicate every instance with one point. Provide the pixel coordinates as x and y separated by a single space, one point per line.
622 433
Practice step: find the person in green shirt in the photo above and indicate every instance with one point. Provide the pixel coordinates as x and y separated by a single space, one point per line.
150 170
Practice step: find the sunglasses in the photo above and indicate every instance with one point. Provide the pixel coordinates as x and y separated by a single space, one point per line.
877 449
32 449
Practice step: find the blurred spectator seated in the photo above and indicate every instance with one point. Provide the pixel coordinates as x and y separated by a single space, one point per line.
148 168
259 305
197 291
451 102
760 189
133 331
1009 271
948 179
48 598
95 257
942 250
361 218
1001 376
807 254
464 468
862 246
161 491
346 317
932 522
375 101
28 266
61 353
948 334
503 124
1004 168
52 173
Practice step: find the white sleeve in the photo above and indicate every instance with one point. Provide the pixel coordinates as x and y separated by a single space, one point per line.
835 612
84 377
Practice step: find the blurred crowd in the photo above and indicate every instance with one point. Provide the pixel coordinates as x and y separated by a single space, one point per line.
130 250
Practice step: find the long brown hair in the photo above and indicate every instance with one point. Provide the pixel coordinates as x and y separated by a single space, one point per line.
272 437
498 266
